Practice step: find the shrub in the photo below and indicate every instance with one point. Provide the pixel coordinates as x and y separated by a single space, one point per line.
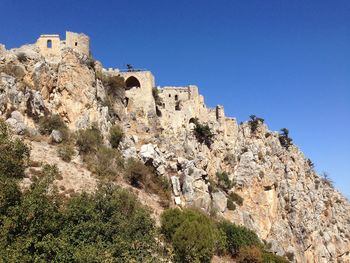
254 123
326 179
89 140
203 133
22 57
193 242
234 197
269 257
231 205
116 134
141 176
223 181
250 255
171 220
107 226
114 84
106 162
66 152
137 173
194 236
238 237
49 123
14 155
284 138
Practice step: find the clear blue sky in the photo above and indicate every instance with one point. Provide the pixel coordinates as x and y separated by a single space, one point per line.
286 61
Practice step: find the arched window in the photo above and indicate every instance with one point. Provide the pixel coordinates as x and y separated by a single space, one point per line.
49 43
132 82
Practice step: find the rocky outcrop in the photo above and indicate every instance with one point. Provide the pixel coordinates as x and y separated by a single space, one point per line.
296 212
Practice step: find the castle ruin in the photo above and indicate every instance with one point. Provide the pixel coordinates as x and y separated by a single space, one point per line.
50 46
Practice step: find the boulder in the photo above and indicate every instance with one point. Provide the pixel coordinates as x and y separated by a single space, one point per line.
219 201
176 185
17 127
56 136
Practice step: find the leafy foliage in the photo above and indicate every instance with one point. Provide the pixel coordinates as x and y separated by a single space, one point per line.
234 197
284 138
238 237
108 226
250 255
203 133
14 154
141 176
223 181
272 258
254 123
194 236
89 140
116 135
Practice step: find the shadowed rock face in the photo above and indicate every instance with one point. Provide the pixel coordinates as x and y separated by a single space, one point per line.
295 211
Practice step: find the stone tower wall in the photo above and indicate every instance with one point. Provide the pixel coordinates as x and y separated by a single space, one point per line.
78 42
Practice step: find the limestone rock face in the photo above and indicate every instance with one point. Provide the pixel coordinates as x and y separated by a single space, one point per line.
298 213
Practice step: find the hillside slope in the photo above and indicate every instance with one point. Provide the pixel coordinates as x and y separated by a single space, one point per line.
210 160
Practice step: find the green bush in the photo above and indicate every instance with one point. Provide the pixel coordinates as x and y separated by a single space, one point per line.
254 123
223 181
272 258
66 152
14 155
284 138
137 173
89 140
203 133
116 135
194 235
107 226
231 205
49 123
238 237
141 176
234 197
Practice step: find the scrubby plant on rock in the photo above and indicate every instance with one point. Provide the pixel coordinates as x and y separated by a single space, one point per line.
254 123
66 152
142 176
284 138
203 133
47 124
224 181
116 135
89 140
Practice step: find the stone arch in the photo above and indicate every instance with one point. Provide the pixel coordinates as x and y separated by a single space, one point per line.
132 82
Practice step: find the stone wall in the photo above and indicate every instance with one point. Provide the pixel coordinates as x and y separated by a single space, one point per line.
50 46
47 49
78 42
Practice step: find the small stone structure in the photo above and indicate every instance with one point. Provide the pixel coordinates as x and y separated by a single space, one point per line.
51 46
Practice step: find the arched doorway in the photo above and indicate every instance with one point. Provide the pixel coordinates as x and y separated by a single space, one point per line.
132 82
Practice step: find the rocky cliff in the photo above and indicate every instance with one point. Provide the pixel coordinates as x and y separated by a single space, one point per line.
245 173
